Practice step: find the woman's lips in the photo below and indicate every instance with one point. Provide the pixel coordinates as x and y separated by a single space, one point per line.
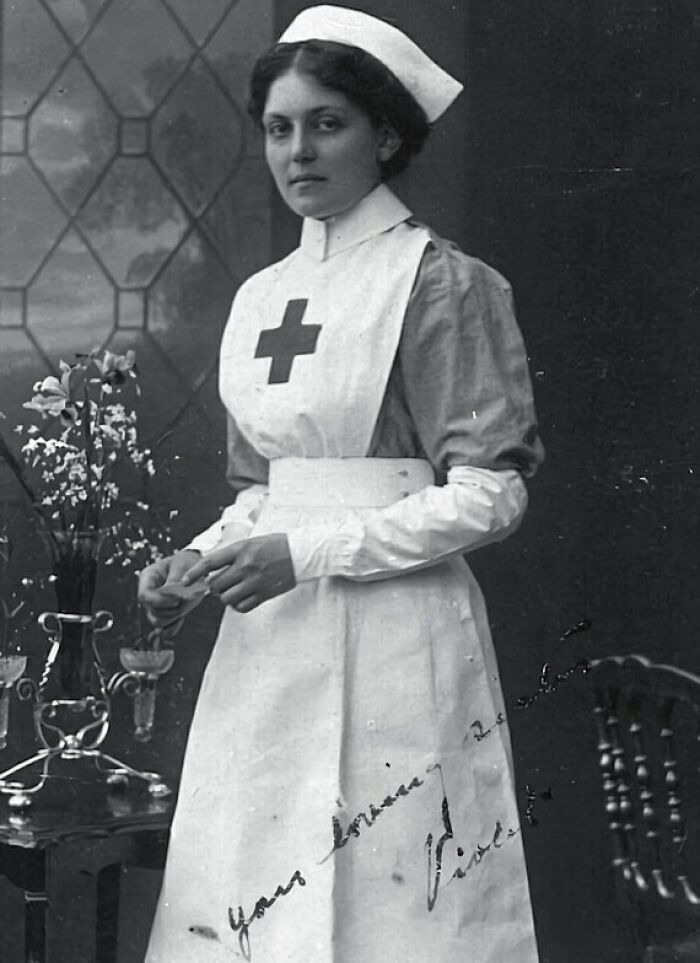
306 179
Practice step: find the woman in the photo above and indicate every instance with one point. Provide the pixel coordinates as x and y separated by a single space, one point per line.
347 789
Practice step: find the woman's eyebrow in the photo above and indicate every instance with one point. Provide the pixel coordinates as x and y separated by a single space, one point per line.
277 115
337 107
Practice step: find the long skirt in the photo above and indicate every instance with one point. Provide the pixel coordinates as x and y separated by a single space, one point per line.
347 792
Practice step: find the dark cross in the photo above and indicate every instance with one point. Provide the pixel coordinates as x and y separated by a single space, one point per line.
283 344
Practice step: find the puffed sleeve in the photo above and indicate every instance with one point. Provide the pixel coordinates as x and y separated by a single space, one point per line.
467 389
247 474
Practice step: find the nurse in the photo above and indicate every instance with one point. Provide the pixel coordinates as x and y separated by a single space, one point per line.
336 804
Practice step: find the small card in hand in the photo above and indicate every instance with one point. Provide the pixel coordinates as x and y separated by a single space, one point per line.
186 593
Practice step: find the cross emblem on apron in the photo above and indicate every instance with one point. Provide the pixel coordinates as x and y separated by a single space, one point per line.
283 344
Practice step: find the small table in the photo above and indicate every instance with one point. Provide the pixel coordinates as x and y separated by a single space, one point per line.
110 830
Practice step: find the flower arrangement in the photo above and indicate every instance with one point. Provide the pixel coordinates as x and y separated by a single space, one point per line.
80 474
71 473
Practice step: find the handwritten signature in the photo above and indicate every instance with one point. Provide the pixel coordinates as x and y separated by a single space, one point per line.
341 837
583 626
482 733
240 923
532 796
435 870
549 684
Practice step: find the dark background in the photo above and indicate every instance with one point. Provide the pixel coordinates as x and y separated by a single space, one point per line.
583 189
570 164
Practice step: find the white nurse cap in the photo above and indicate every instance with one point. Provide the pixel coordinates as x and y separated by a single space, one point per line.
430 85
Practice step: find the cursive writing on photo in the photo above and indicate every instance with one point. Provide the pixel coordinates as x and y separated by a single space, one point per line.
549 684
435 855
481 733
532 796
240 924
342 836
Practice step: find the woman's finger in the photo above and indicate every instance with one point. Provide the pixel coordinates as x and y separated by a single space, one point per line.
159 600
225 580
247 605
238 594
221 558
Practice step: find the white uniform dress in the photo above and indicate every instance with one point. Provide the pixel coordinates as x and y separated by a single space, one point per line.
347 791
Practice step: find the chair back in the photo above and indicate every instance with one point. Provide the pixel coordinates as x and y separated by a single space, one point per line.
648 728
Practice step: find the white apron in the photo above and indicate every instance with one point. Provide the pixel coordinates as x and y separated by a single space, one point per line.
335 805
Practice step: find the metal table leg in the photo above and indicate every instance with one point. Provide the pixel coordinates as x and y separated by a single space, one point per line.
36 903
27 869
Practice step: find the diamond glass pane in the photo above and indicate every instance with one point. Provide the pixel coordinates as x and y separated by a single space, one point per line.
239 220
188 308
152 52
197 137
133 221
71 303
32 51
201 17
75 16
72 135
243 36
30 220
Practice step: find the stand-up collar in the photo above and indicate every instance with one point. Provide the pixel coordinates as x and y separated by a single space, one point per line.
379 211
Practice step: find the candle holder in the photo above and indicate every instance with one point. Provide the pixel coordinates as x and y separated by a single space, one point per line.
74 728
143 667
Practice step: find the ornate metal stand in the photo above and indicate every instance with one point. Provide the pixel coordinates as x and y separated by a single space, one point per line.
75 728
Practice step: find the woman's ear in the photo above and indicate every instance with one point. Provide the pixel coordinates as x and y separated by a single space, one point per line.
388 143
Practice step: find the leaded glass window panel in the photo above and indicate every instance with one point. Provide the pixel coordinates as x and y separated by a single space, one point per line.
134 200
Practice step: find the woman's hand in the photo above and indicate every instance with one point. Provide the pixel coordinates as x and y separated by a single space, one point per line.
248 572
162 607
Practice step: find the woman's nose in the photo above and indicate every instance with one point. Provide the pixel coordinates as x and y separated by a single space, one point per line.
302 146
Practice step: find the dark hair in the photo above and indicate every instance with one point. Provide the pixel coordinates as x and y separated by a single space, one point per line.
361 77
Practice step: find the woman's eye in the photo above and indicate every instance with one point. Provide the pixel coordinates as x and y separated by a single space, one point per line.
328 123
276 129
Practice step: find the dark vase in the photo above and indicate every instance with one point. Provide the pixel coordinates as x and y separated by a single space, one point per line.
74 565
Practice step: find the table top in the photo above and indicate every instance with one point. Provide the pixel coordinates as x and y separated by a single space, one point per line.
75 808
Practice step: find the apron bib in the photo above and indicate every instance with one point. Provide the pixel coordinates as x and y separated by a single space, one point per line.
284 371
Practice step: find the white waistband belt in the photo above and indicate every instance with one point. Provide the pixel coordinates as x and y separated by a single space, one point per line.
346 482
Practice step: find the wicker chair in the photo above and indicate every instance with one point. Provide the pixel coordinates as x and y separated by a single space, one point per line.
648 724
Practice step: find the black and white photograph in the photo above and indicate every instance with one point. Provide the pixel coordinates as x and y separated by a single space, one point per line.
349 481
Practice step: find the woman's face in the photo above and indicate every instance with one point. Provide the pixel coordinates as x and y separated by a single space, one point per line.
323 151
